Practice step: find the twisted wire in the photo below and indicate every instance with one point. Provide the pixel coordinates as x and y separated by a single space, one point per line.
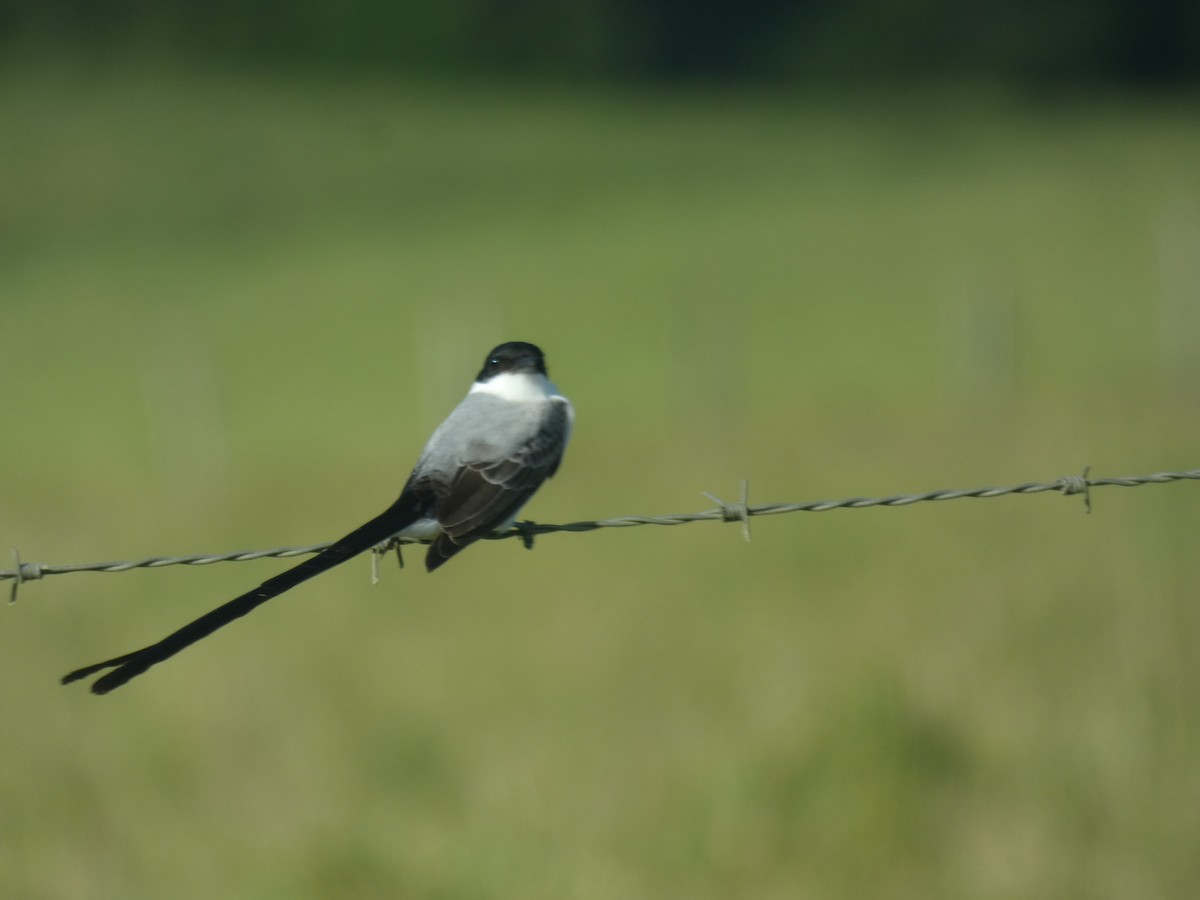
741 512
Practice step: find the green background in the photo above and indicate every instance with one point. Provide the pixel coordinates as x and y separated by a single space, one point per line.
235 304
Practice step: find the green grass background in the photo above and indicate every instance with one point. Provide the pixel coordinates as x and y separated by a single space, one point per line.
234 307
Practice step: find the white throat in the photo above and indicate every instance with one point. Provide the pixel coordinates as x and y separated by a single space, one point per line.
518 387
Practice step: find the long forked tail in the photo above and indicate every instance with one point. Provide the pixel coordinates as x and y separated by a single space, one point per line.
401 513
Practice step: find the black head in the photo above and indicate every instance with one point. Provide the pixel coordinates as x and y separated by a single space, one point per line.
515 356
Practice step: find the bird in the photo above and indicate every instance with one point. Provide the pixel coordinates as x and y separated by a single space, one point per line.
478 469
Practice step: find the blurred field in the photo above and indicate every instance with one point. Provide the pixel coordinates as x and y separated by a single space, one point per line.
234 308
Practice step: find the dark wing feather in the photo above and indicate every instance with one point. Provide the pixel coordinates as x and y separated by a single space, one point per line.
486 492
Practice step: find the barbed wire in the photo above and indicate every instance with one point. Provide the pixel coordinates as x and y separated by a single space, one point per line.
741 512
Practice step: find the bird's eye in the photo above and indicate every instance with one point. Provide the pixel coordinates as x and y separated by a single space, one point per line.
494 361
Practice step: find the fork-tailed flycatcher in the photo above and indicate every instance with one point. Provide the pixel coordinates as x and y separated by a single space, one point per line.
479 468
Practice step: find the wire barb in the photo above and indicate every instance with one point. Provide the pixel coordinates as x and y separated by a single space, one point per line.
380 550
22 573
1078 484
736 512
725 512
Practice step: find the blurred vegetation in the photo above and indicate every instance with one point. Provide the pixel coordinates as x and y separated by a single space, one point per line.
1025 41
235 305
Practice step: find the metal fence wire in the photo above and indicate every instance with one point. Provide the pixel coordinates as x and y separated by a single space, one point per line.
741 511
